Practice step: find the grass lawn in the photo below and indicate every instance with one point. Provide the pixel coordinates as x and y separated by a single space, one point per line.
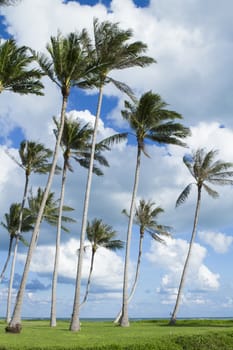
148 335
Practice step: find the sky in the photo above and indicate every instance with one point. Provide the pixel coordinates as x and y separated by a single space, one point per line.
192 42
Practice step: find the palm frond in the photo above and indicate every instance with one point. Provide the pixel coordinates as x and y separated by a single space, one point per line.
212 193
184 195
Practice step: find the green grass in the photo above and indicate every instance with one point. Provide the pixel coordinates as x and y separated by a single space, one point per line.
148 335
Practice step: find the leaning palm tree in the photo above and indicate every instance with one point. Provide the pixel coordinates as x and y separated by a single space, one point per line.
146 214
205 169
112 51
15 74
34 158
148 119
11 224
99 235
76 144
66 66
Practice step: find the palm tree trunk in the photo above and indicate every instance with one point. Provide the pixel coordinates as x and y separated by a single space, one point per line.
16 319
117 319
8 309
7 259
185 269
124 321
53 321
89 278
75 322
23 203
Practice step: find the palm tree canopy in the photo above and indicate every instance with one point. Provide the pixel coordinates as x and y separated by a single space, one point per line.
68 61
113 51
204 168
11 223
14 72
100 234
51 211
149 119
34 157
146 214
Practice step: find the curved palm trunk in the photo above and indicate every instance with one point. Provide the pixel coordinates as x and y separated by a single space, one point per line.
7 259
9 296
185 269
89 277
19 227
23 202
117 319
8 311
75 322
124 321
53 315
16 319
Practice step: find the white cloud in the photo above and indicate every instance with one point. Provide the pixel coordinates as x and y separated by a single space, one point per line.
171 258
217 240
106 274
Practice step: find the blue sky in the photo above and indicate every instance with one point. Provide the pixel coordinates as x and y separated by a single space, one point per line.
192 43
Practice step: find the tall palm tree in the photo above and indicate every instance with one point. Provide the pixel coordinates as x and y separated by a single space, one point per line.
66 66
76 144
99 235
15 74
11 224
112 51
148 119
146 214
34 158
205 169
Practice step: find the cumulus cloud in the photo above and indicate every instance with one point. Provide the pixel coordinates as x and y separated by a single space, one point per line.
217 240
171 258
106 274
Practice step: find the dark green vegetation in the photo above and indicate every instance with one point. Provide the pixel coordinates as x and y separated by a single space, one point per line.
187 334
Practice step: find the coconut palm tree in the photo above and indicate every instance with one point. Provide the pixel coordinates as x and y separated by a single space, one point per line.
66 66
51 211
146 214
148 119
34 158
99 235
204 169
15 74
76 144
11 224
112 51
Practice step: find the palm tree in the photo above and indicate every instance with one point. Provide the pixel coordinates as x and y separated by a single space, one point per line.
205 169
11 224
112 51
148 119
34 158
146 214
15 74
66 67
75 144
51 211
100 235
